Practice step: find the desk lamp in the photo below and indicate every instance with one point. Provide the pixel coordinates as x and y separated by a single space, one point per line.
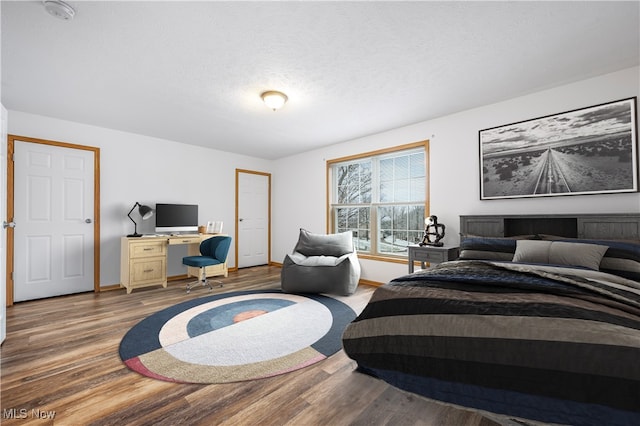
145 212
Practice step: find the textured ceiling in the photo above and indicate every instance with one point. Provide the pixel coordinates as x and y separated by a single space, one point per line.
192 72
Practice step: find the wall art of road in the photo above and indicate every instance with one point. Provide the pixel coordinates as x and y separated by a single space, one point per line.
576 165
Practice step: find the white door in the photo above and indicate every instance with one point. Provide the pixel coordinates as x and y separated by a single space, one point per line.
3 217
253 218
53 213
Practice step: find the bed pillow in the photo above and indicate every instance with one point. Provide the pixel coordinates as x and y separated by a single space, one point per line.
311 244
531 251
560 253
576 254
622 257
487 248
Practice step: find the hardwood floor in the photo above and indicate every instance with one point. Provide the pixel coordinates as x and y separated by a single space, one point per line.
60 365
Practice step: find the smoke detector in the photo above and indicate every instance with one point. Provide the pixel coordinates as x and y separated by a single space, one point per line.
59 9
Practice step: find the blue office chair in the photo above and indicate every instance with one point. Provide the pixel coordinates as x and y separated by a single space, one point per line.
212 260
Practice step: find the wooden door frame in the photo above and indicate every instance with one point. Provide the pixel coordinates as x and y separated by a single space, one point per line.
253 172
11 139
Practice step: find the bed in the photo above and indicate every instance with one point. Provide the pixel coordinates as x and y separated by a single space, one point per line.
538 320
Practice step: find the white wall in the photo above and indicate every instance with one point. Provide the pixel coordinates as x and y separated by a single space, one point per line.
299 186
149 170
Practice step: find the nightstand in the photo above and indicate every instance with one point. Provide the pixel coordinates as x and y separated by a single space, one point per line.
431 254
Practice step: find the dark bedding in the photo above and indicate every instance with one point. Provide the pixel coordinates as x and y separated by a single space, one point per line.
551 344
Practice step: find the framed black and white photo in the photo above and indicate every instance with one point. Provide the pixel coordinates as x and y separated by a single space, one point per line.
592 150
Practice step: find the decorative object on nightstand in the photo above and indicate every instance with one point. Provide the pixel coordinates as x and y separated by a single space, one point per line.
431 254
145 213
433 232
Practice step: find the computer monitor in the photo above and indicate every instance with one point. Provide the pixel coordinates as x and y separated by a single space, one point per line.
176 218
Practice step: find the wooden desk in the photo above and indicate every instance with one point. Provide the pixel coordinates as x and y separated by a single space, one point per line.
143 260
431 254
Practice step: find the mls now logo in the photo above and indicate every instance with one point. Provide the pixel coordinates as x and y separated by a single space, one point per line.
23 413
43 414
14 413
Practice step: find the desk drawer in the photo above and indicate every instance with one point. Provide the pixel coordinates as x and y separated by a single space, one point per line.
431 256
184 240
147 249
148 271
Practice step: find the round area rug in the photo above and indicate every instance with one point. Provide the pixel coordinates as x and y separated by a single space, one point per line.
236 336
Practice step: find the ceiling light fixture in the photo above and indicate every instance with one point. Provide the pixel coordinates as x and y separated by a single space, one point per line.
59 9
274 99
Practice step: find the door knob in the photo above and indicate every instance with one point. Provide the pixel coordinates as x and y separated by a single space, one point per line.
87 220
6 224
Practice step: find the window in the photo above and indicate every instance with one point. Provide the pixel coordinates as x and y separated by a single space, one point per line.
381 197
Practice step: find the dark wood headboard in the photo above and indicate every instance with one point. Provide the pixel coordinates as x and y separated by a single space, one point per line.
595 226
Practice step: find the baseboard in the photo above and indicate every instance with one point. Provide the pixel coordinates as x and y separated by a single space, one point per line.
369 282
178 277
111 287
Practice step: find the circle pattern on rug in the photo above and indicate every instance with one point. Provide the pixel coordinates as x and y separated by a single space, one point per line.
236 336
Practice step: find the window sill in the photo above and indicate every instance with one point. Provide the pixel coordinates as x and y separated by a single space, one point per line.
391 259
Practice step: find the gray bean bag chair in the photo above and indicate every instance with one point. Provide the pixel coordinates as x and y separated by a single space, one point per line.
322 264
